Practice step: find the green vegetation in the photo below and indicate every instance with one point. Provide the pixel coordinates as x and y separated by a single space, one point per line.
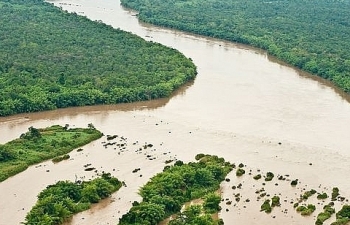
200 213
268 204
306 210
275 201
194 215
58 202
343 216
269 176
38 145
211 203
60 158
308 194
322 196
309 34
240 172
343 221
335 193
166 192
50 59
325 215
294 182
257 177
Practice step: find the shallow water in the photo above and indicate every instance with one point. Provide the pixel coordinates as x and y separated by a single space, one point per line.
243 106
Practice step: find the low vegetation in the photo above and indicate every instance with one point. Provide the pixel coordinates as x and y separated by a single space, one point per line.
58 202
268 204
343 216
308 194
328 210
306 210
38 145
269 176
166 192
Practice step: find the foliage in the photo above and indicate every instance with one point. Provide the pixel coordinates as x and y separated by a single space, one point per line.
257 177
176 185
344 213
306 210
325 215
275 201
50 59
212 203
60 158
309 34
294 182
240 172
322 196
60 201
308 194
342 221
335 193
266 206
38 145
194 215
269 176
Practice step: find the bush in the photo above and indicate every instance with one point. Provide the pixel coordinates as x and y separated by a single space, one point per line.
322 196
240 172
269 176
306 210
211 203
266 207
58 202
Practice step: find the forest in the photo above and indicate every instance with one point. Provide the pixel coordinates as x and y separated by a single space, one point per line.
38 145
312 35
50 59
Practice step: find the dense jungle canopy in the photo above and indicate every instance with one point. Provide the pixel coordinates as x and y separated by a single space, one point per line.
312 35
50 59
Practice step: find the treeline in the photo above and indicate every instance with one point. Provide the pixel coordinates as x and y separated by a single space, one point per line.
38 145
166 192
59 202
50 59
312 35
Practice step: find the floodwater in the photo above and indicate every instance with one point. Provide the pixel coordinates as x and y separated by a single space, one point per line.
243 106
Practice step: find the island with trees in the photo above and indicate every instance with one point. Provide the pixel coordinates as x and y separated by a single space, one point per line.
59 202
38 145
166 193
50 59
312 35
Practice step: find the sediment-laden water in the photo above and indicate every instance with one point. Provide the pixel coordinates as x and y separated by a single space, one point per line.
243 106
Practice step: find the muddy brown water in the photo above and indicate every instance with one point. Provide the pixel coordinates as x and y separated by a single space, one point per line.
243 106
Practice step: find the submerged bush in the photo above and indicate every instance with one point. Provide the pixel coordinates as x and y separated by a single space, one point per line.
306 210
240 172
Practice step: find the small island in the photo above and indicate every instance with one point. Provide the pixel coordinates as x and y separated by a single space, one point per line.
166 193
59 202
38 145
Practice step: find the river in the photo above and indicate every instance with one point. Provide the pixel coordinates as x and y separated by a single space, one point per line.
243 106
